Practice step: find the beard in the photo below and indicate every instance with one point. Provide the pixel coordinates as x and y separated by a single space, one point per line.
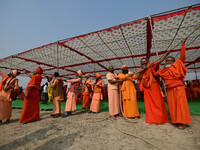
144 65
168 65
125 71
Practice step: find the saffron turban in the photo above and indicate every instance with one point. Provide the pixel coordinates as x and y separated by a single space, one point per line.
39 70
98 75
124 66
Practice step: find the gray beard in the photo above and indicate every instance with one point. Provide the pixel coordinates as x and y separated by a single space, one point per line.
168 65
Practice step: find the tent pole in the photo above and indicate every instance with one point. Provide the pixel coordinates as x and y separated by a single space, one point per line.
11 63
195 70
94 71
57 56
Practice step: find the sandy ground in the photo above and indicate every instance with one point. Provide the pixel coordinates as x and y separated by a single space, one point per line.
78 133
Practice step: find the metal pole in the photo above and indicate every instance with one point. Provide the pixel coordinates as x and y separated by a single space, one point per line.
94 71
195 70
57 57
11 63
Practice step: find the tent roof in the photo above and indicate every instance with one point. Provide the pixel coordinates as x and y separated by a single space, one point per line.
126 44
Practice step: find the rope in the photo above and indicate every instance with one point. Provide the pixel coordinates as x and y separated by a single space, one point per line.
101 119
176 44
155 45
14 65
135 136
108 118
23 68
195 112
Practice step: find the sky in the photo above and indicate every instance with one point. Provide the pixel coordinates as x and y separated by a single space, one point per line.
27 24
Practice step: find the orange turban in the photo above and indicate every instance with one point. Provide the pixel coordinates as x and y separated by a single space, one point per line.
14 72
87 75
123 66
98 75
39 70
79 72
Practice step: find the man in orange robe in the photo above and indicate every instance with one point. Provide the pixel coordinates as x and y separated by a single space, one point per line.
31 108
58 94
155 109
198 86
8 84
97 94
173 74
189 91
129 98
196 89
72 95
113 93
86 92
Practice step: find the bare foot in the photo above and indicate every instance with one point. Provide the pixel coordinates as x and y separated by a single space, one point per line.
113 117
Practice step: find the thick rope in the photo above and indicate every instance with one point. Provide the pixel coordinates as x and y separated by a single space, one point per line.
135 136
155 45
101 119
108 118
176 44
195 112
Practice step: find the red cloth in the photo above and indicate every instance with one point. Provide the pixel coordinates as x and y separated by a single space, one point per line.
155 109
176 95
39 70
31 108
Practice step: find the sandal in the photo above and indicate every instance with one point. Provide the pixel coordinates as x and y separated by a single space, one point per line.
181 126
66 115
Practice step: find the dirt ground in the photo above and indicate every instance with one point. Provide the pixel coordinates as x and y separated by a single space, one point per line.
77 132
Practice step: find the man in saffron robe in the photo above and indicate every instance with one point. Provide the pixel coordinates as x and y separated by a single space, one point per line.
8 84
58 94
129 99
155 109
198 86
196 89
189 91
113 93
71 96
97 94
173 74
86 92
31 108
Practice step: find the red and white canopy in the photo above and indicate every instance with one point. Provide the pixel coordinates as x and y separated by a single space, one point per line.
123 44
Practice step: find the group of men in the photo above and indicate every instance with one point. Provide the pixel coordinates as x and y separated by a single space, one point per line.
119 87
193 89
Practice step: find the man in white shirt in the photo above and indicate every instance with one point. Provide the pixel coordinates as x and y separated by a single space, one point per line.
45 91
